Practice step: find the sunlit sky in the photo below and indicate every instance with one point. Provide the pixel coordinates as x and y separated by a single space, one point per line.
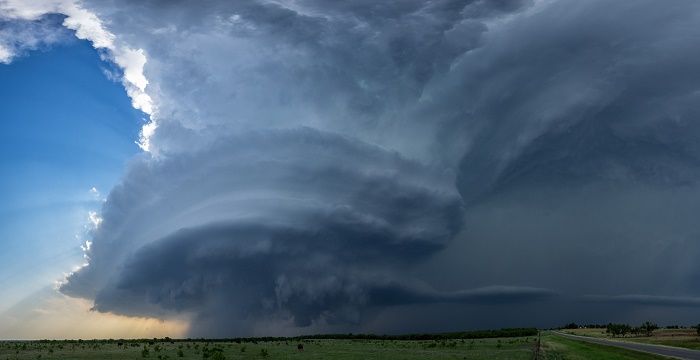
227 168
66 134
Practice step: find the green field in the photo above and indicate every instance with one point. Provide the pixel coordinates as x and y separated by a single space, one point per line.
506 348
552 347
556 348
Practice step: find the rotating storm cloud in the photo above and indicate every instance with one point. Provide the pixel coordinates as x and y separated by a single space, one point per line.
314 166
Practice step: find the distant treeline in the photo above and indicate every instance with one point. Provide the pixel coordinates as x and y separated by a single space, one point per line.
605 326
647 328
476 334
587 326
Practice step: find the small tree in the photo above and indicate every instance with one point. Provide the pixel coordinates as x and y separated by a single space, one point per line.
649 327
697 329
636 331
618 329
626 329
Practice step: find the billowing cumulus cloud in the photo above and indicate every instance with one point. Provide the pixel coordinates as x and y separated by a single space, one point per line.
360 69
294 181
321 163
294 225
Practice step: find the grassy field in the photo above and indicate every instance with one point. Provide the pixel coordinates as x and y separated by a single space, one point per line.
505 348
587 332
553 347
686 338
559 348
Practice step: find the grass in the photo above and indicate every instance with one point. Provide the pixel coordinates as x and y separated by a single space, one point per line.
557 347
587 332
553 348
685 338
504 348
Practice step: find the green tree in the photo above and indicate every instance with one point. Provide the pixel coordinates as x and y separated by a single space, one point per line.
648 328
618 329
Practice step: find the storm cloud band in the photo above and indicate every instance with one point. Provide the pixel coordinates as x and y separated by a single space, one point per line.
315 161
296 222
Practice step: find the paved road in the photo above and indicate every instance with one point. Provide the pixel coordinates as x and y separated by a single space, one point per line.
674 352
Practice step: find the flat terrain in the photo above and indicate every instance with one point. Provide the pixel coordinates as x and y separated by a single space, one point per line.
555 347
685 338
504 348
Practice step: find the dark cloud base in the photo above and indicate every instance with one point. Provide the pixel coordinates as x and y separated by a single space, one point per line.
298 224
356 164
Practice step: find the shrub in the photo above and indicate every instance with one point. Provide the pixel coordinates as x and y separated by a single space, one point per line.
618 329
648 328
215 353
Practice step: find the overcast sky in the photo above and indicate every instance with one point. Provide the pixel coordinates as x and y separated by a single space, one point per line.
225 168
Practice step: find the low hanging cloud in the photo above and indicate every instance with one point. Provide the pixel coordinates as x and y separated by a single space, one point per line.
295 227
284 209
295 223
313 162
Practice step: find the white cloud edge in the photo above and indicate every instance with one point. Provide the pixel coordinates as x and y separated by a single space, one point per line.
88 26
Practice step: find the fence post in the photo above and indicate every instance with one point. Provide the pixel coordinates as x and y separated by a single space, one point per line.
537 346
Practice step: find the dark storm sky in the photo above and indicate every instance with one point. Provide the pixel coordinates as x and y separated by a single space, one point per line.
406 166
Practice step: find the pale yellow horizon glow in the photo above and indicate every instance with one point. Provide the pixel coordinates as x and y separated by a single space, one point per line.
51 315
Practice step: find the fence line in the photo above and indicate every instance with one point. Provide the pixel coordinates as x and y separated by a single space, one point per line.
538 345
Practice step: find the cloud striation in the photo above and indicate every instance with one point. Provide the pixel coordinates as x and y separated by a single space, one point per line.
338 165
